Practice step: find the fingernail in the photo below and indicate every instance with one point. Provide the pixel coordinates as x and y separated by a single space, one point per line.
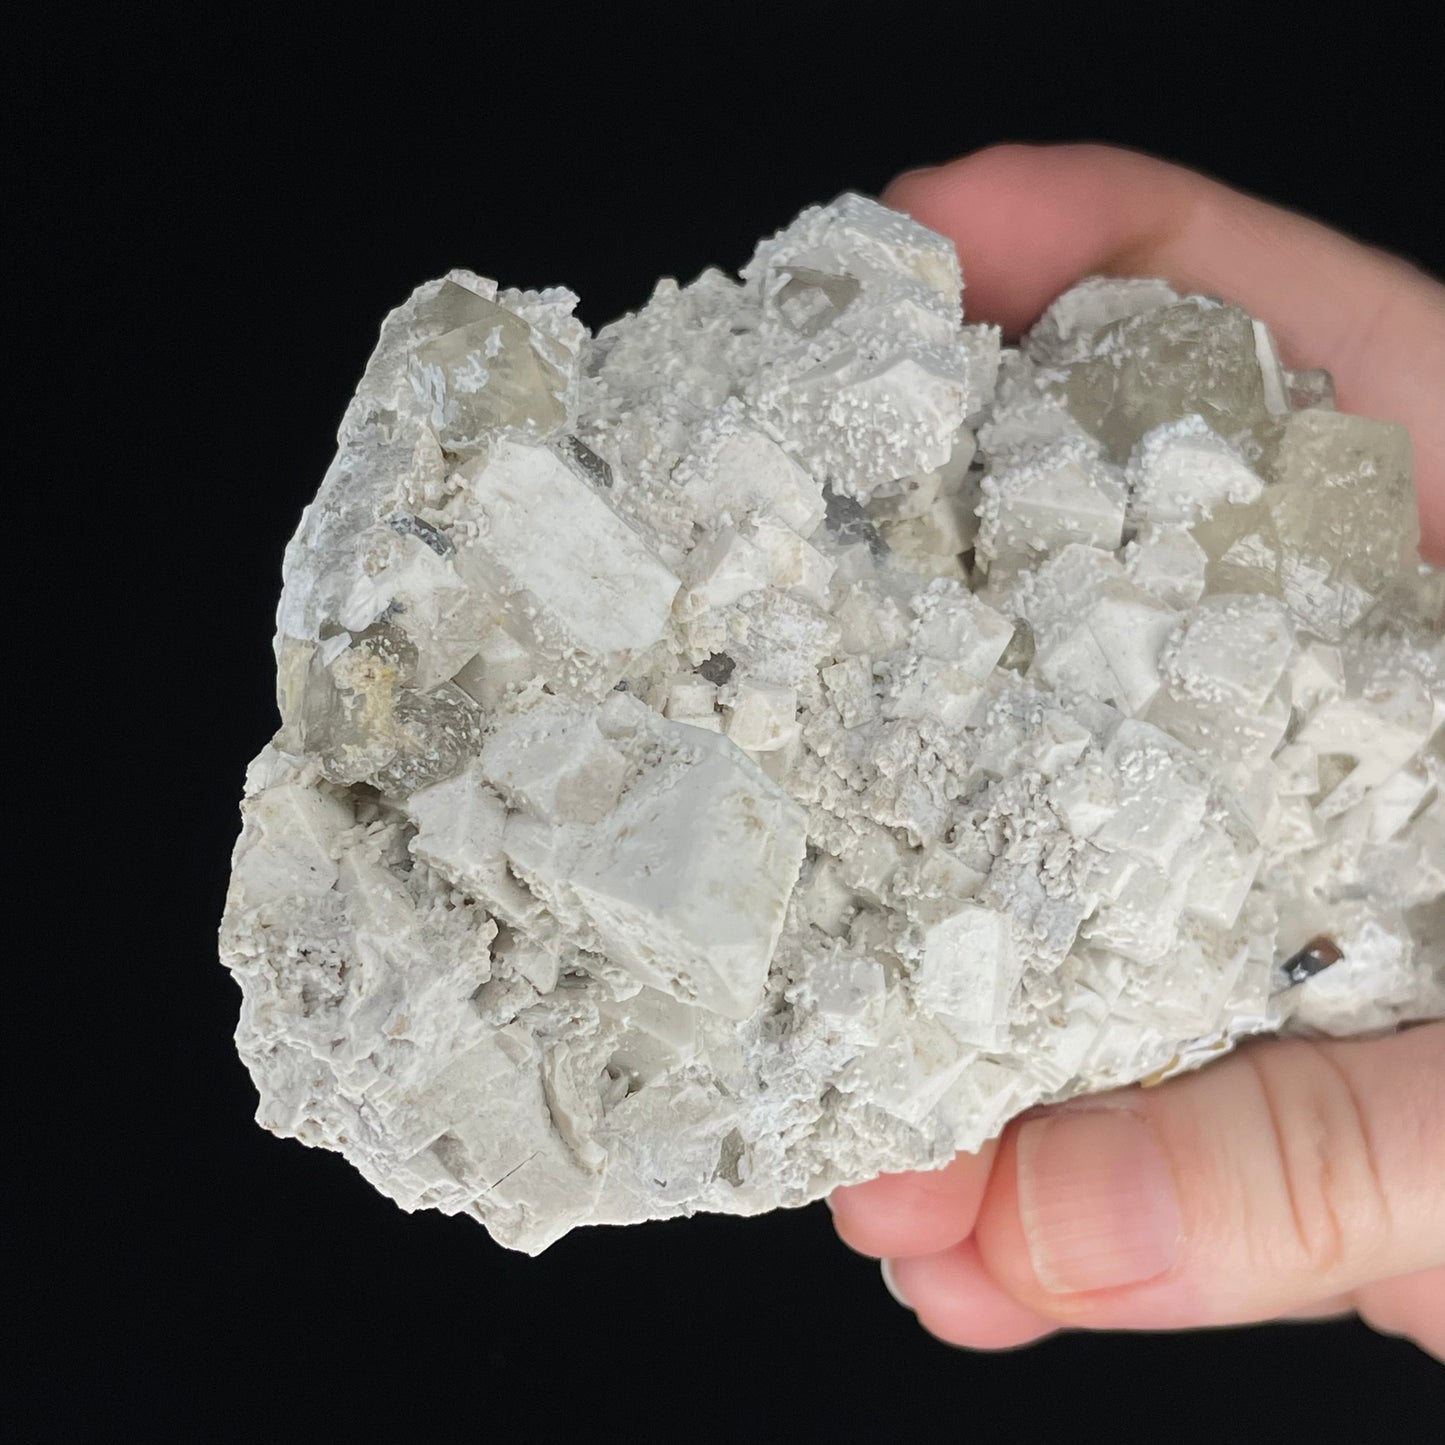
890 1282
828 1200
1097 1201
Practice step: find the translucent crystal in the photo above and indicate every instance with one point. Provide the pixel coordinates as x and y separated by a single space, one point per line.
1333 530
1312 387
810 300
1192 358
777 740
365 722
1067 331
490 372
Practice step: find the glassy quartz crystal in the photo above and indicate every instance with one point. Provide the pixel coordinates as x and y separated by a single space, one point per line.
780 738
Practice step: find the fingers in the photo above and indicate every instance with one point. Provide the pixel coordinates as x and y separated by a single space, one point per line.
1413 1305
956 1298
1288 1173
1029 221
905 1214
1284 1179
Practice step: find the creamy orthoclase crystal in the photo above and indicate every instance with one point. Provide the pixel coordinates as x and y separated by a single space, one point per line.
776 740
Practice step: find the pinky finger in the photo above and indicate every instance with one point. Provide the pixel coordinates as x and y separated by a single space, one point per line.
956 1299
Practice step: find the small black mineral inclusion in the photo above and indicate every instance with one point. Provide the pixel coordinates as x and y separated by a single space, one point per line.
848 522
410 526
598 472
717 669
1316 956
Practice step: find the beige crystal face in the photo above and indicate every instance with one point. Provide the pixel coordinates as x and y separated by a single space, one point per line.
488 372
777 740
1192 358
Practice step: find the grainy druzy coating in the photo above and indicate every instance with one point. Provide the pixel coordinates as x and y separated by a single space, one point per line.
778 739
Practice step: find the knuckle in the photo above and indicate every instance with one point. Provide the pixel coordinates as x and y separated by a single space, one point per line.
1336 1205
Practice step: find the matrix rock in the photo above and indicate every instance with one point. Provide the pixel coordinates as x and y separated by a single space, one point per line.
778 739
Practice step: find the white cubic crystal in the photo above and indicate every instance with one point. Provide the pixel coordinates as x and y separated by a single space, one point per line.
1047 499
1184 469
856 237
1025 423
793 564
1223 678
459 833
1160 794
1220 865
722 569
968 973
950 623
1168 562
1377 736
739 473
297 829
871 624
762 719
1232 647
577 583
692 699
848 991
655 1033
553 761
953 645
867 374
686 881
1112 649
1139 921
500 667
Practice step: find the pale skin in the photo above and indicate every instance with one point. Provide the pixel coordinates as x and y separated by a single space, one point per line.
1294 1179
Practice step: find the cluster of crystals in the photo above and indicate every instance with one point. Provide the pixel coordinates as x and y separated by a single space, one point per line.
780 738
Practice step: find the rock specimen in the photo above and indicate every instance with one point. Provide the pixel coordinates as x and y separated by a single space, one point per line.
777 739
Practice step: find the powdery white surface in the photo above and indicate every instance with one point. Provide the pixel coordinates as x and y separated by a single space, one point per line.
778 739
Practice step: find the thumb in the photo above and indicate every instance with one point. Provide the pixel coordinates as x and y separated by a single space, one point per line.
1289 1172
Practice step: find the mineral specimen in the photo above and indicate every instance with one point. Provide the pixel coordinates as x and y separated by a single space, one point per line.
778 739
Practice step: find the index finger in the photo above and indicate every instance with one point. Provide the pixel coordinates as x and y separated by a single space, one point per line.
1029 221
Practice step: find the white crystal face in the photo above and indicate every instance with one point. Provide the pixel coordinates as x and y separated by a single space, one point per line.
778 739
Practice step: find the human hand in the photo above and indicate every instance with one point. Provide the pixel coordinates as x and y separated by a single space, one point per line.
1294 1179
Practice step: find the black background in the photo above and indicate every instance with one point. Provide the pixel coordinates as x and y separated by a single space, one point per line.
216 213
